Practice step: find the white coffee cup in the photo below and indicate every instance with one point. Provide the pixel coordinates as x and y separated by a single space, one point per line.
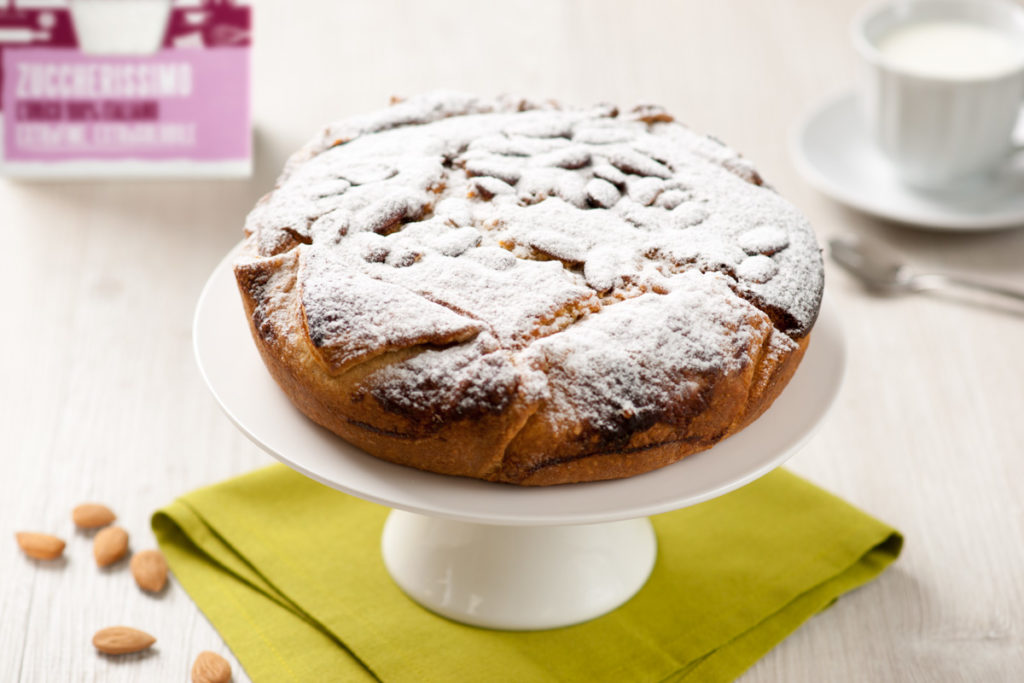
943 85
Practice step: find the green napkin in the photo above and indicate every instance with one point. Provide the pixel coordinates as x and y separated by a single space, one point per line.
289 571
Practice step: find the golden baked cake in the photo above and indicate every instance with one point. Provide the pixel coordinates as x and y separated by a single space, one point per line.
527 293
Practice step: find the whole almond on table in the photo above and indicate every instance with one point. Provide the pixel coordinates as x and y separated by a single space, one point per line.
150 570
121 640
210 667
40 546
110 545
92 515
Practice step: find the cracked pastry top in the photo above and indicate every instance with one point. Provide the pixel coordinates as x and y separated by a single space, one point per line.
524 292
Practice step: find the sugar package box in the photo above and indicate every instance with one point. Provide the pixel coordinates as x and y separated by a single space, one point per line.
104 88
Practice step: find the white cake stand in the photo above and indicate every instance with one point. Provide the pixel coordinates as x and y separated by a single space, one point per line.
496 555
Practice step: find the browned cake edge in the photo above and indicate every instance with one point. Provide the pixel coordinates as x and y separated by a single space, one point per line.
493 446
771 378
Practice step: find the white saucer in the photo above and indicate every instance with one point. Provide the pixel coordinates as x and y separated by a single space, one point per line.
832 151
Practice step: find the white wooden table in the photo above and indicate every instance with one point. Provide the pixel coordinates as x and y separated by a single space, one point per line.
101 399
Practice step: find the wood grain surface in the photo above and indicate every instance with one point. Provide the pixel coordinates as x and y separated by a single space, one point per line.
101 399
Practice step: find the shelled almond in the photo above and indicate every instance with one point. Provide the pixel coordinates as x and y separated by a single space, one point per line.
121 640
110 545
210 667
40 546
150 570
92 515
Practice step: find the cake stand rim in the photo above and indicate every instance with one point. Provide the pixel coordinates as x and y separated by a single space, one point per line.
471 500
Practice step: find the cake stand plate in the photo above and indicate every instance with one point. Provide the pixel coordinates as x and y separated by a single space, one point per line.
497 555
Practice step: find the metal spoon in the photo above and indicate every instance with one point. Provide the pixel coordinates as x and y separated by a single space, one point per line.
881 271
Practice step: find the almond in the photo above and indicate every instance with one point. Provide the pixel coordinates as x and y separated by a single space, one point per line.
121 640
92 515
150 570
110 545
40 546
210 667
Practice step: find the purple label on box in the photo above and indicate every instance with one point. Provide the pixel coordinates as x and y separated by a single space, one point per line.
187 102
60 104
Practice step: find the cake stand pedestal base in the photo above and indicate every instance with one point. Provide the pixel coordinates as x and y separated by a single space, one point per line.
518 577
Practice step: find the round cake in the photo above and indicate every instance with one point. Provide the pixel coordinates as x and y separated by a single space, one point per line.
527 293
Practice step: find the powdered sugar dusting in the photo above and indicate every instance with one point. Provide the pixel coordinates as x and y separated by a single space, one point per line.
764 239
351 317
603 371
459 382
593 261
758 269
